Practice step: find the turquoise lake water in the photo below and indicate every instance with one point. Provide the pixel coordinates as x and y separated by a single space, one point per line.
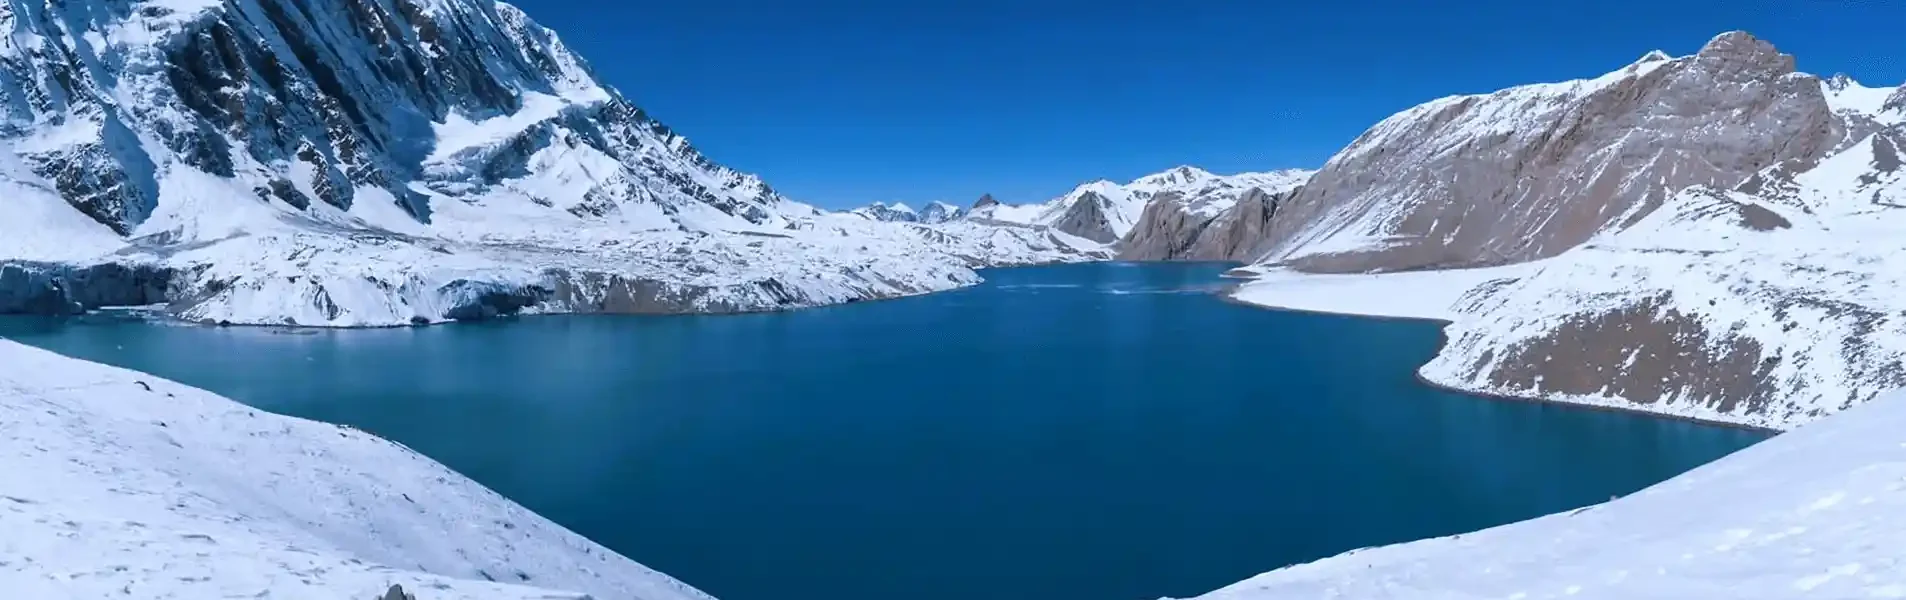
1093 432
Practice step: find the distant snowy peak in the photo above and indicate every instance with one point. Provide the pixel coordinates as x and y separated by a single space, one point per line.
932 213
1885 106
940 212
1106 211
891 213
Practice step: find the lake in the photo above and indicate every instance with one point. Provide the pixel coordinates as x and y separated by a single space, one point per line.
1103 431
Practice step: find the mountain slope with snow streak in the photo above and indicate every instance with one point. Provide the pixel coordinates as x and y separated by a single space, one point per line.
115 483
386 162
1532 171
1762 302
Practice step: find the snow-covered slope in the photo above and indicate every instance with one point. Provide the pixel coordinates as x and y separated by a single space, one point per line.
1767 301
1815 513
376 162
117 484
1106 212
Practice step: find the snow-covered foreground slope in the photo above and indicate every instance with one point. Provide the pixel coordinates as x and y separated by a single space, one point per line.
1815 513
350 162
118 484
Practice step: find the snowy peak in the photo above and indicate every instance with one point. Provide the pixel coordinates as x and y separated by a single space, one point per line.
1107 211
894 213
1851 99
940 212
1654 56
933 213
1177 176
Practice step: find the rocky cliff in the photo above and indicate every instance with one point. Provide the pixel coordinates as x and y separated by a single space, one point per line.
1221 220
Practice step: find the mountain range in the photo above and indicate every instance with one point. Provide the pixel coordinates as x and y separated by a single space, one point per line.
1710 236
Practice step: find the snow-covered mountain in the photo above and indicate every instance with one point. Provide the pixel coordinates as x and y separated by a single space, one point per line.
940 212
894 213
115 483
933 213
1106 212
1726 252
358 162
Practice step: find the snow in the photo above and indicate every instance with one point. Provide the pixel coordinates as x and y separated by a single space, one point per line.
1848 96
1814 513
458 133
1431 295
115 483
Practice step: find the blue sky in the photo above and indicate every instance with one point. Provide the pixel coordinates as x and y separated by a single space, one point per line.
840 103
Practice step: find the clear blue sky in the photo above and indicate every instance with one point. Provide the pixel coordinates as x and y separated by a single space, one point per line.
840 103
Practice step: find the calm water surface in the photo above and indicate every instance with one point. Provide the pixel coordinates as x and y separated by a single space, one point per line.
1087 432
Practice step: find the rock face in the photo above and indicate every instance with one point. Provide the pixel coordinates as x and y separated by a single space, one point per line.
1086 217
984 201
1532 171
1222 221
375 162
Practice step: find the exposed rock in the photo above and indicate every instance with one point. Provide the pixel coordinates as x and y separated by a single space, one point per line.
985 201
1087 218
50 289
1172 228
1532 171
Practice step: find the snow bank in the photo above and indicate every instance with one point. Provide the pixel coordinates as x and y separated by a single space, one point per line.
1813 513
1430 295
115 483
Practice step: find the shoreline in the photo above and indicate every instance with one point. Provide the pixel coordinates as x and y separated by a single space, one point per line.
160 314
1442 325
